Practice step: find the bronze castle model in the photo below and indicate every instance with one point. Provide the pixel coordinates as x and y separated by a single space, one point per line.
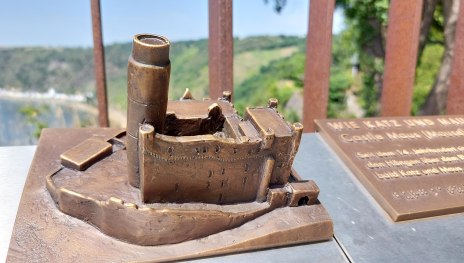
189 169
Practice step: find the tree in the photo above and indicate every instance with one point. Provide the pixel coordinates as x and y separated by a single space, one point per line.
366 25
278 5
436 100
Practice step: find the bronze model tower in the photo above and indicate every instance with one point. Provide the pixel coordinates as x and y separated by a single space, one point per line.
148 73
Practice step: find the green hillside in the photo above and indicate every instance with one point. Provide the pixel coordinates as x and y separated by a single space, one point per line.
264 67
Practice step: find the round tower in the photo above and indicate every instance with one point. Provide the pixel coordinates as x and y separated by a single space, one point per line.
148 74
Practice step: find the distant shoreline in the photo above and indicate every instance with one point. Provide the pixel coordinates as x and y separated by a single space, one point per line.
117 117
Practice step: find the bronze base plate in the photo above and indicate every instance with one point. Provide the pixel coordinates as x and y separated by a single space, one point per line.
43 233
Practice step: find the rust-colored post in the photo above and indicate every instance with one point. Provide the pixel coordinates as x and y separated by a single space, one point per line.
318 59
455 104
99 61
401 56
221 48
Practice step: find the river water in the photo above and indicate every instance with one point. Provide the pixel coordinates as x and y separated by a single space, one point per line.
19 122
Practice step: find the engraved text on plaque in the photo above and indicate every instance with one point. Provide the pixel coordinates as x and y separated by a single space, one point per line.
412 166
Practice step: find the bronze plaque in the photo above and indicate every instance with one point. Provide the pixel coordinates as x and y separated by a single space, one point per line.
412 166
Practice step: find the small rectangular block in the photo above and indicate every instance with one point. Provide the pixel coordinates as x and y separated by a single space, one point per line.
277 197
266 119
83 155
303 193
247 129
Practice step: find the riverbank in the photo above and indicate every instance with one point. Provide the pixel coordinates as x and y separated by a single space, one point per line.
117 117
23 117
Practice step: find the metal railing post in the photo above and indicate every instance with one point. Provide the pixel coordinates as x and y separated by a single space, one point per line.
99 61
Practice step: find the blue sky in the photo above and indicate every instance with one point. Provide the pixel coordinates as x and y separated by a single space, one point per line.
68 23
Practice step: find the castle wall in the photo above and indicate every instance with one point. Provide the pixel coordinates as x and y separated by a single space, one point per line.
279 138
211 170
214 169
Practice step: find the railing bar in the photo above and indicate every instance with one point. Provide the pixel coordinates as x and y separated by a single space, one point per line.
401 56
99 61
318 60
455 104
221 47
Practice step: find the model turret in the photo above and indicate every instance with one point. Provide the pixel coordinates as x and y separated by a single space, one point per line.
148 74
